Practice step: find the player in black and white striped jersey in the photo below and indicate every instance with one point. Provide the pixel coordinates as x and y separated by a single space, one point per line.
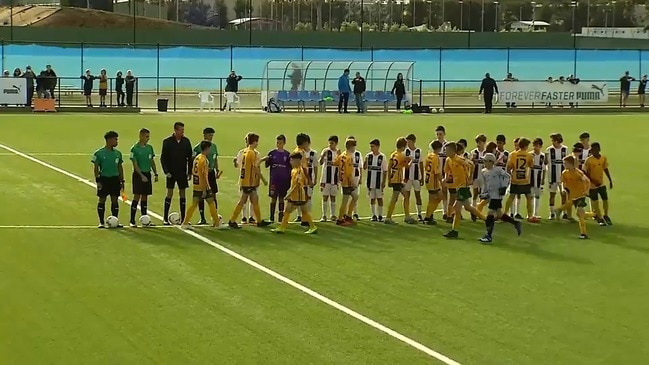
477 154
413 178
554 156
358 176
440 135
538 174
312 174
329 184
584 139
376 164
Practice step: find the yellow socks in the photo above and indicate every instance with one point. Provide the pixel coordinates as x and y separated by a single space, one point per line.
456 221
285 219
236 213
481 205
213 212
306 216
190 212
432 206
582 224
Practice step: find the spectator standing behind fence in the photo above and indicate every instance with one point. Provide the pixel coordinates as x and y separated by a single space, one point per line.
31 78
296 78
103 87
625 88
344 90
42 86
129 81
487 90
642 86
88 80
359 89
399 90
510 78
119 88
51 80
232 87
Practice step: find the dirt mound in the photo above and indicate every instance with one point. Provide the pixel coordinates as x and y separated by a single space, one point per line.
53 17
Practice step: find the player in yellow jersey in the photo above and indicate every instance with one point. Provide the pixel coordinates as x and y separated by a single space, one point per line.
202 191
296 197
519 166
595 167
577 186
398 162
345 164
458 174
433 181
249 182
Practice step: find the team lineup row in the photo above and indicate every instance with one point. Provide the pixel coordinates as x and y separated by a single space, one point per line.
448 172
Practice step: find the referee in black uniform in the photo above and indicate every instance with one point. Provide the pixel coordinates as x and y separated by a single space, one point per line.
487 89
176 161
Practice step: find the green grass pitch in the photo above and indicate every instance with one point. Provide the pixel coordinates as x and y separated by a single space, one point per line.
73 294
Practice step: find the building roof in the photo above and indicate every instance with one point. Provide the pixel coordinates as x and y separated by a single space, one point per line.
530 23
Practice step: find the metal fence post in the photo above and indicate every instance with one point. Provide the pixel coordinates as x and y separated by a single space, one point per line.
174 94
508 55
574 68
372 53
3 54
231 56
443 94
137 92
439 89
110 80
58 85
301 53
157 79
640 62
421 84
220 92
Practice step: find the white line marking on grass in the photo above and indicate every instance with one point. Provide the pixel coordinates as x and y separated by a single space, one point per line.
76 227
370 322
66 154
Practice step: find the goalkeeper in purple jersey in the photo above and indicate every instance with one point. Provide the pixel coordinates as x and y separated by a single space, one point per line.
279 163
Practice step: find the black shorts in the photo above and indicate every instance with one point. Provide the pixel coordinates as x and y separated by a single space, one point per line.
495 204
211 181
103 92
248 189
520 189
597 192
109 186
140 187
297 204
348 190
433 192
278 190
396 186
87 92
199 194
179 179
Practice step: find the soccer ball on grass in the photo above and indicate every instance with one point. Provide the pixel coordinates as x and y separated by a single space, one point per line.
145 220
174 218
112 222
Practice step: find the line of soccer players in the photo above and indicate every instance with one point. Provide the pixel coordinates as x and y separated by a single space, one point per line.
454 178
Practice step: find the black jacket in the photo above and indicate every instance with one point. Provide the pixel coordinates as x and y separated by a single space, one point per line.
51 79
399 88
488 86
130 83
359 85
232 83
119 83
31 77
176 156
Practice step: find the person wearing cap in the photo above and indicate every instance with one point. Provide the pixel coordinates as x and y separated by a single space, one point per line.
31 78
493 186
6 73
231 86
51 80
129 82
88 80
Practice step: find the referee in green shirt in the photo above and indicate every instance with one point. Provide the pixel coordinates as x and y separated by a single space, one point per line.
143 164
212 158
109 175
